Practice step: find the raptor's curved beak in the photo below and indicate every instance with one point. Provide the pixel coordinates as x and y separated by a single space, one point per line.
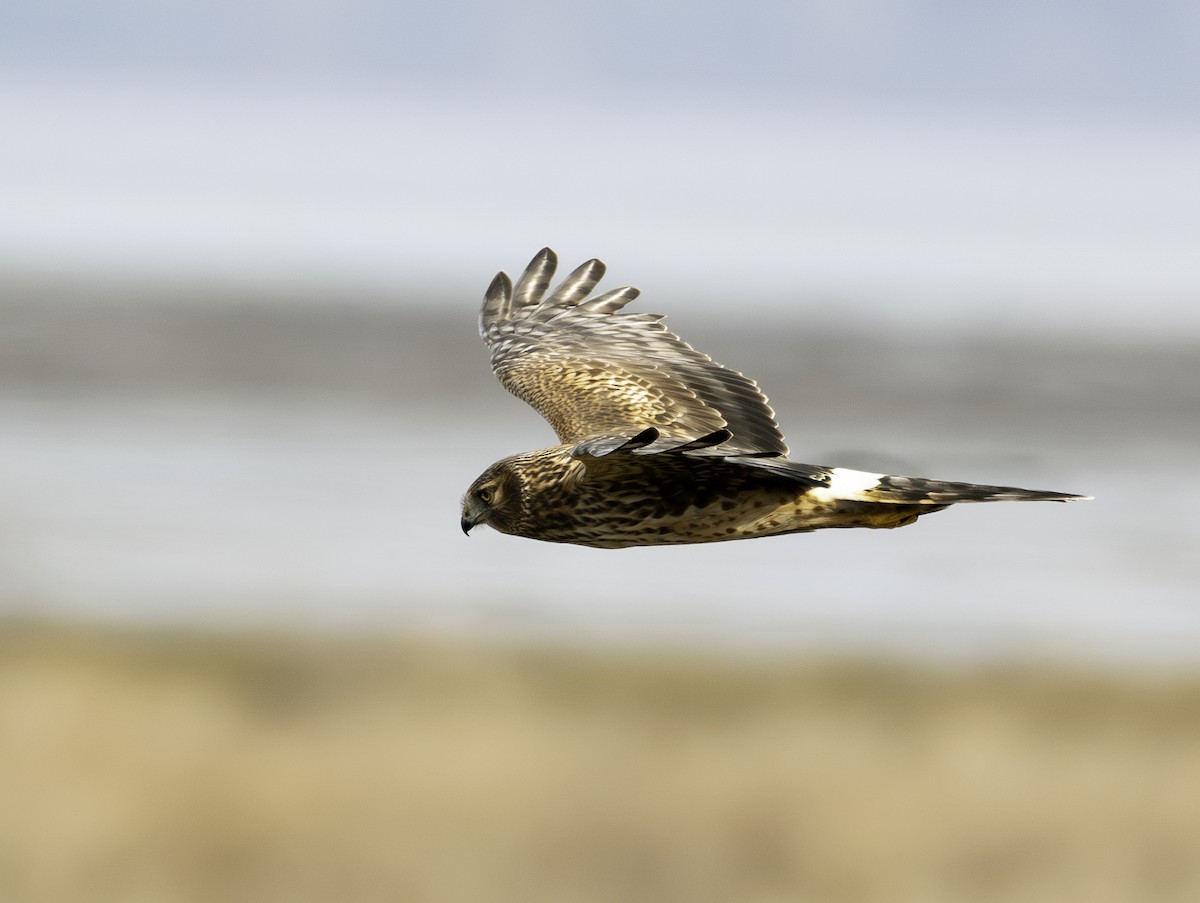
467 524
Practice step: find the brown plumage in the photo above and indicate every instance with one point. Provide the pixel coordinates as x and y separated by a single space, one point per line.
659 444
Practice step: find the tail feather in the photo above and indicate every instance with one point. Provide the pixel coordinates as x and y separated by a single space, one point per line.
841 483
916 490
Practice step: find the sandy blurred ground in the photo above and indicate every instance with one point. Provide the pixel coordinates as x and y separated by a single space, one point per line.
198 767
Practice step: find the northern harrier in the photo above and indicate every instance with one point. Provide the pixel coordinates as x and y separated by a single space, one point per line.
659 444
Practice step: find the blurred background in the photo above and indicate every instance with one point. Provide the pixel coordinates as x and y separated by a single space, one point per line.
246 649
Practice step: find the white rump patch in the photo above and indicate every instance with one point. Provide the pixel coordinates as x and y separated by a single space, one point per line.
846 484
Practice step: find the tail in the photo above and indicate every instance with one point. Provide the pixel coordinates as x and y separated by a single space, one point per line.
843 484
859 486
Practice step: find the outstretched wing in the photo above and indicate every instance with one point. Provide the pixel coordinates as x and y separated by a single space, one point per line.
601 376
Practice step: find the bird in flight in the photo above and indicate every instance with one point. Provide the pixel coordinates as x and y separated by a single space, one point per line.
658 443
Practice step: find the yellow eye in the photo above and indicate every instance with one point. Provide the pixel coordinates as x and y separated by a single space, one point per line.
485 496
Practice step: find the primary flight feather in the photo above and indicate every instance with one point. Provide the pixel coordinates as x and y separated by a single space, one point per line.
659 444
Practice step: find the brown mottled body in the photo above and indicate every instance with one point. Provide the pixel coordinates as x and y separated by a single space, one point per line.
668 499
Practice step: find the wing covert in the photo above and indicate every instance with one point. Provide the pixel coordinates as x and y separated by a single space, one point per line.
593 370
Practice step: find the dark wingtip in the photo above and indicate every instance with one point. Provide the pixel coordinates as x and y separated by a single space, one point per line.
641 440
535 280
497 303
500 288
576 287
717 437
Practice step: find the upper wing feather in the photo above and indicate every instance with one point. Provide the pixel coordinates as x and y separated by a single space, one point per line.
594 371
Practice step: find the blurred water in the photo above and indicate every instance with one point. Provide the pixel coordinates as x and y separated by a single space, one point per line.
149 502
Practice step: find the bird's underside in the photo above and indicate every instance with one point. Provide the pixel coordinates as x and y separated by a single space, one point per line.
659 444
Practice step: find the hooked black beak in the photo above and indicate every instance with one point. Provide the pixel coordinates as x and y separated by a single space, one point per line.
467 525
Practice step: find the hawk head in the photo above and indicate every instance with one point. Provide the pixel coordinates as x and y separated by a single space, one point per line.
494 499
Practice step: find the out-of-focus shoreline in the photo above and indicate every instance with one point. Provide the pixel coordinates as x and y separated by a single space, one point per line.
1070 388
